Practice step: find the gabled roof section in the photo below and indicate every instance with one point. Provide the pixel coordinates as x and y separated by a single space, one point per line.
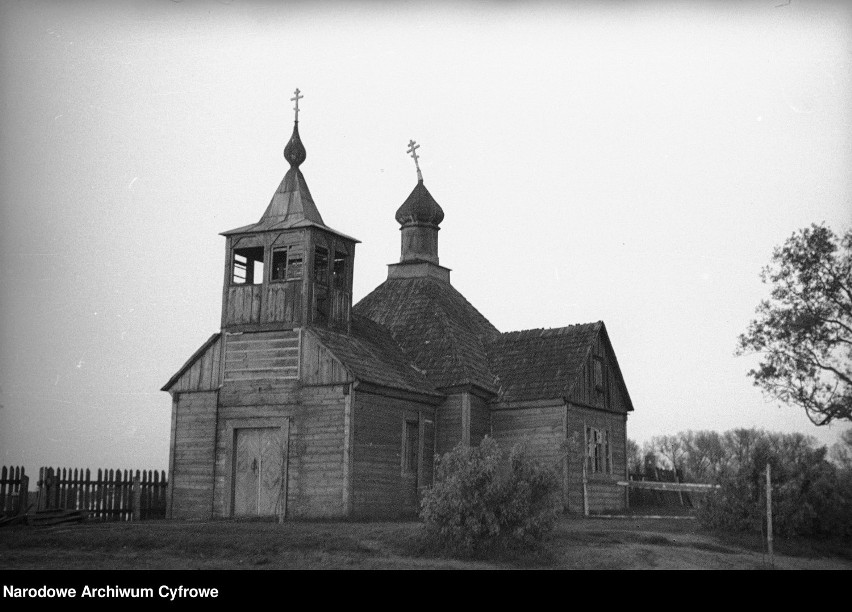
436 327
371 355
538 364
191 361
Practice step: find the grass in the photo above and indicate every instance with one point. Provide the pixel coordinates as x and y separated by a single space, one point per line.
575 544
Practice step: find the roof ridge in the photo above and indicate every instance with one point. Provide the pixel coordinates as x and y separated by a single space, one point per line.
553 331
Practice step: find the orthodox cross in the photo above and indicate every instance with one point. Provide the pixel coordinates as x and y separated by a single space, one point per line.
412 150
296 99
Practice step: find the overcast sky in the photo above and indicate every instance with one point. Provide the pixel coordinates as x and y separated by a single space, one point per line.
631 162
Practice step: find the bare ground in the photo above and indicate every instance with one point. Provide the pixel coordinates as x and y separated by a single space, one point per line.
575 544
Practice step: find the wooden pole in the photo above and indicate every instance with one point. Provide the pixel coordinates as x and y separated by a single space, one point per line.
769 514
137 498
585 480
23 494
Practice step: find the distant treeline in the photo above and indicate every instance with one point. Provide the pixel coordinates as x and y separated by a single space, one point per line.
811 485
707 456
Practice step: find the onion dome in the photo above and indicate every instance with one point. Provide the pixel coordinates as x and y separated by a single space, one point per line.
420 208
294 152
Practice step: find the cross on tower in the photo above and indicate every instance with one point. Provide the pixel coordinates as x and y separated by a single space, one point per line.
296 99
412 150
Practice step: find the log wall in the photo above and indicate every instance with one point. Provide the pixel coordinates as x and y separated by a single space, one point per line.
480 419
448 424
379 486
604 494
192 454
262 355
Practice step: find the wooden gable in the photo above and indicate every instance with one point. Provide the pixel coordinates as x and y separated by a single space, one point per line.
202 371
600 384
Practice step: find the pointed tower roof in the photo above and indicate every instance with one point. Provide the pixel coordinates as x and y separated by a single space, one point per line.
292 201
291 205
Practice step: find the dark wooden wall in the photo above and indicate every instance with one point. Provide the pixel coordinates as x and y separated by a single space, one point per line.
379 487
540 428
604 494
480 419
192 455
448 424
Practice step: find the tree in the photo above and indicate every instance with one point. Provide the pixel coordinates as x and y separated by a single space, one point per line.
804 331
704 455
634 457
841 452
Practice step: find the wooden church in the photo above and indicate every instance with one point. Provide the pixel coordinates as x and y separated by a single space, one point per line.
304 405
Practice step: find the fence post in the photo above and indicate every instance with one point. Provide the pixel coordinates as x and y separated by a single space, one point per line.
137 497
769 514
23 494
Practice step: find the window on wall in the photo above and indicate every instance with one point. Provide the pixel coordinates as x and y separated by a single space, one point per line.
598 451
338 270
321 265
247 266
411 442
279 264
286 263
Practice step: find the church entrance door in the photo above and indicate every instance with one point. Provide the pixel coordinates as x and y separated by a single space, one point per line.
259 472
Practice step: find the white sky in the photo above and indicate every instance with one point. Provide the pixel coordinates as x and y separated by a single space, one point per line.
627 162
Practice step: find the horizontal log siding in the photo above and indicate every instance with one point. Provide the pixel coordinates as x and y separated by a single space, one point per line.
315 474
604 494
379 488
193 453
542 429
262 356
448 423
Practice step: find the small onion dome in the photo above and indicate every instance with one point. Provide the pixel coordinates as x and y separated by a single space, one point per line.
420 207
294 152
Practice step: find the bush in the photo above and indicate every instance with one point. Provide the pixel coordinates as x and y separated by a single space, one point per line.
474 504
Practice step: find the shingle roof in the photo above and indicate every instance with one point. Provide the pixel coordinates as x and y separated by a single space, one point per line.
370 353
436 327
540 363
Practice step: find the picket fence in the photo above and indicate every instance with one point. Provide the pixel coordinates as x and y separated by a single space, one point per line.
13 480
113 495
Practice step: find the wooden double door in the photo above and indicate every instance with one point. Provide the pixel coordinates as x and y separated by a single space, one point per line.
260 472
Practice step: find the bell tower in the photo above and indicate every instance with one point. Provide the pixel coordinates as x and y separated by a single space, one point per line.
289 269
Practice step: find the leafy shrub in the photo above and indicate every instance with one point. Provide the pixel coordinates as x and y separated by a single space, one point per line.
474 503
